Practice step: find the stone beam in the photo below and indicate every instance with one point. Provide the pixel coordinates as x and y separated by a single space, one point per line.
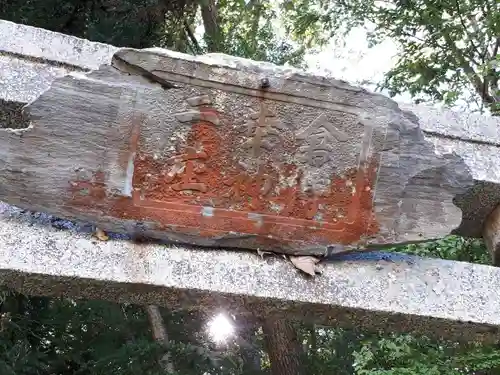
41 255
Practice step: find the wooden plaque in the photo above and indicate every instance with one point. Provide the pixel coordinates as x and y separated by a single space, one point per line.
219 151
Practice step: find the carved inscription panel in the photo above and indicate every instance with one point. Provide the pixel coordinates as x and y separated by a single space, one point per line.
224 164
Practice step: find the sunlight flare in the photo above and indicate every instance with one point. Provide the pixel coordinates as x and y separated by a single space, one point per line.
220 328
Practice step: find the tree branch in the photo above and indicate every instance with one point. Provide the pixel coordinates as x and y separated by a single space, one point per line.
192 38
210 17
462 22
255 24
313 341
160 336
496 47
494 75
473 77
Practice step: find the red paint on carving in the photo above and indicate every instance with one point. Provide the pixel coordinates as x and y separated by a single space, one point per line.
173 192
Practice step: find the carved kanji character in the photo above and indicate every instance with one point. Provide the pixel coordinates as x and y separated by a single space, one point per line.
261 125
242 184
187 166
313 202
318 140
199 112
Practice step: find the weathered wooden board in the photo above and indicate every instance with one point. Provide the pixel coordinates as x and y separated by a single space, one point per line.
219 151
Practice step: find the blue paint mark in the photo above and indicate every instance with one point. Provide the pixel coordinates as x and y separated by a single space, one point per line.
374 255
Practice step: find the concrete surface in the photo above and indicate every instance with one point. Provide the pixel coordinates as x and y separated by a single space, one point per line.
42 255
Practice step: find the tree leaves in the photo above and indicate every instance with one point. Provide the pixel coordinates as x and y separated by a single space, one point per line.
443 44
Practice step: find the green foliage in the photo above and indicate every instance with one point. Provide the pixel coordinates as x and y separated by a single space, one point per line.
42 335
452 248
245 29
404 354
249 30
346 352
447 48
130 23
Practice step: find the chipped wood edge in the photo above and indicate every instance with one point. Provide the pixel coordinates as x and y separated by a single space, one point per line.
491 235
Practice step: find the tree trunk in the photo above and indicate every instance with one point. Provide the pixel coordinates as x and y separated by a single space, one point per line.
210 18
283 347
161 336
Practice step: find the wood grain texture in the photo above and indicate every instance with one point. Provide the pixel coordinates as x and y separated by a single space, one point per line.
191 150
491 235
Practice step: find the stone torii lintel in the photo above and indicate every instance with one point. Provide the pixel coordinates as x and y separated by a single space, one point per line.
370 291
